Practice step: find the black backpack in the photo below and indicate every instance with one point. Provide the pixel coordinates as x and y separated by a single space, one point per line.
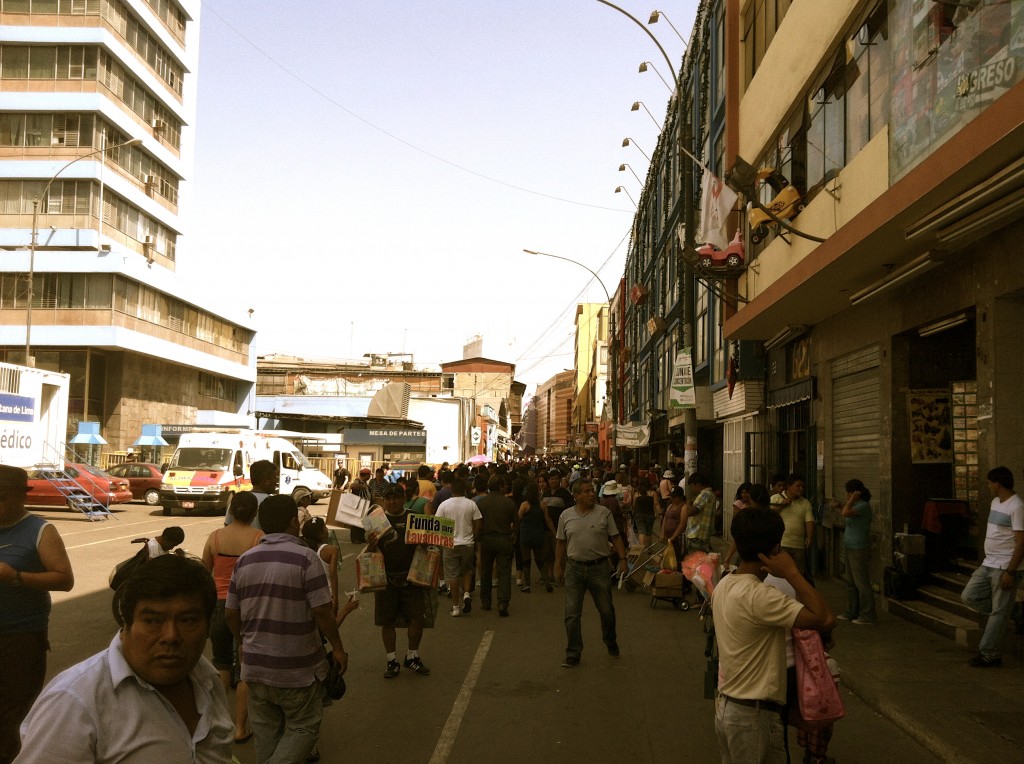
123 570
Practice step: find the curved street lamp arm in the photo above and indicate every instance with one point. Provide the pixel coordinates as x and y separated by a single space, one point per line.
635 20
574 262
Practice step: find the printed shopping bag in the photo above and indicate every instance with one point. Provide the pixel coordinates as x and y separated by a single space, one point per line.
817 694
370 573
426 562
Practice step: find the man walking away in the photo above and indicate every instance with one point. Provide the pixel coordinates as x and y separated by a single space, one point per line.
992 588
581 562
460 560
278 604
751 623
264 476
499 522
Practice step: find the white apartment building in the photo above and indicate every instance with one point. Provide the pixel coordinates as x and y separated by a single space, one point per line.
79 79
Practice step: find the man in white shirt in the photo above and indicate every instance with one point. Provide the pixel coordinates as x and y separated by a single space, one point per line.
992 588
151 696
751 622
460 560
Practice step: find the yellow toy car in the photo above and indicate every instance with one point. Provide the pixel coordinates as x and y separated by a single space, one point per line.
787 203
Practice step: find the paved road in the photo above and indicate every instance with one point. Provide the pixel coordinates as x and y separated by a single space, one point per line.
497 693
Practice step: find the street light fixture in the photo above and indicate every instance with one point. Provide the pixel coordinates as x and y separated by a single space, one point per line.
622 168
655 15
622 189
611 319
636 107
29 360
645 65
629 141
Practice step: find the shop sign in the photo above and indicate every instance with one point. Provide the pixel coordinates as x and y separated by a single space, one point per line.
632 435
385 436
430 529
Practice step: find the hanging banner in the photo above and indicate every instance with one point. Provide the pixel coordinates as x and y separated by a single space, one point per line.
682 395
632 435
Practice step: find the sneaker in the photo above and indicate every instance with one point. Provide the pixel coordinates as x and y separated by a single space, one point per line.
865 621
524 589
846 617
503 611
982 661
314 755
613 650
444 589
392 669
570 662
416 666
456 611
467 603
549 588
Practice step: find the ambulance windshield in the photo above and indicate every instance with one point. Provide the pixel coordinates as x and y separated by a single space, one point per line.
217 459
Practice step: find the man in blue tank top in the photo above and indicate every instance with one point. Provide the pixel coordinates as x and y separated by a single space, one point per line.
33 562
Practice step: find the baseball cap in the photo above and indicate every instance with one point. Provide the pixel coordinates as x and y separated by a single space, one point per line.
14 477
392 490
301 493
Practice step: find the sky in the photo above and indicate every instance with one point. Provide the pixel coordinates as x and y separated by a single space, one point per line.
367 174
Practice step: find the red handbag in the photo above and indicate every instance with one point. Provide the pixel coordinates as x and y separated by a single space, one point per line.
817 693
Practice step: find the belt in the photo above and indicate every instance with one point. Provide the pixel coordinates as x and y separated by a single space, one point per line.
767 705
589 562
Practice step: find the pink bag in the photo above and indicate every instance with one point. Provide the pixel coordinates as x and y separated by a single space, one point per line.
817 694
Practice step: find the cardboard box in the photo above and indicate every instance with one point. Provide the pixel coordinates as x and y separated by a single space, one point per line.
667 585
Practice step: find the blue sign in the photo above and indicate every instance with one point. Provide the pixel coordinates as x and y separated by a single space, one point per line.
17 408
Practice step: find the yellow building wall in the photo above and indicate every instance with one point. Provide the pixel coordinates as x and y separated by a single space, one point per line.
862 181
811 27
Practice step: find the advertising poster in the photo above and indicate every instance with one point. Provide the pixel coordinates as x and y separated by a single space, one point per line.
429 529
682 395
931 437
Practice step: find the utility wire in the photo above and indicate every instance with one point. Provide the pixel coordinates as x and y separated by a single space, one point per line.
391 135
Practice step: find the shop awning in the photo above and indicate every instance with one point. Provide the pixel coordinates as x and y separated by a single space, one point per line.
151 436
791 393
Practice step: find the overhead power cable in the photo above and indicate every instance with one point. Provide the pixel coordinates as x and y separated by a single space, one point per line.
393 136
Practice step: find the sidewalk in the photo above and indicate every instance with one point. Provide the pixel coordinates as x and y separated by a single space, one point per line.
921 682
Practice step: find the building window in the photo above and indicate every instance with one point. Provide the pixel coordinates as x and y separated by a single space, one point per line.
212 386
867 92
700 325
761 20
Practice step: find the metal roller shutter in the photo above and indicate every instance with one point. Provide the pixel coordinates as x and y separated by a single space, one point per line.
856 420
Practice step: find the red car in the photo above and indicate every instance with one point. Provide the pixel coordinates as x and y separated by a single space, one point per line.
144 480
103 487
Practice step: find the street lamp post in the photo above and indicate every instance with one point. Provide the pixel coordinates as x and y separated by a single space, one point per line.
622 190
624 166
630 141
611 325
33 242
636 107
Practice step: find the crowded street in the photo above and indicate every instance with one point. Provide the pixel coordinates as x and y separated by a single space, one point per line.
495 692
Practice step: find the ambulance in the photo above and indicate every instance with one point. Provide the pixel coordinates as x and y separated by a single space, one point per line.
208 468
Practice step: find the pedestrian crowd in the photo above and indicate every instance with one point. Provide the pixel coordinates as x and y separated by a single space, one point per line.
266 594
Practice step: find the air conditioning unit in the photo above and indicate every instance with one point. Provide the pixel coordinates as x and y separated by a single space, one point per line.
149 241
149 179
157 124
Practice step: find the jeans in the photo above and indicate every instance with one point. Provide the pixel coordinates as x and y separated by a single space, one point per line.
984 594
860 597
580 579
23 668
496 547
285 721
748 735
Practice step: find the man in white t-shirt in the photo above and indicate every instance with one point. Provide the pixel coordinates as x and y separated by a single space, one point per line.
992 588
460 560
751 622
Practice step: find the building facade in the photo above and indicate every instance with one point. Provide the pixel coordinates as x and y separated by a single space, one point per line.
869 327
591 393
96 136
553 414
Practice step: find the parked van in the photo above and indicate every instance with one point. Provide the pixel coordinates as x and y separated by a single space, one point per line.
208 468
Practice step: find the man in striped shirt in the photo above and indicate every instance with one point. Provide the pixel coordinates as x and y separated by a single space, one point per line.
278 604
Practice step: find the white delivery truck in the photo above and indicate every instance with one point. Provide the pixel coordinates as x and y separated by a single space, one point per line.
33 416
208 468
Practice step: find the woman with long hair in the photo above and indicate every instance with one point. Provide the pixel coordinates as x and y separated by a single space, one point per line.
645 505
531 536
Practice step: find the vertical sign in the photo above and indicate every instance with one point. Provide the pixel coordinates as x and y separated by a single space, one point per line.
682 395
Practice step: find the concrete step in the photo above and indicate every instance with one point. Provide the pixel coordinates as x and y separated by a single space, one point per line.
948 600
950 580
962 630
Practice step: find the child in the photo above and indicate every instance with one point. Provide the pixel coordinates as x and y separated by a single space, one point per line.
315 534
